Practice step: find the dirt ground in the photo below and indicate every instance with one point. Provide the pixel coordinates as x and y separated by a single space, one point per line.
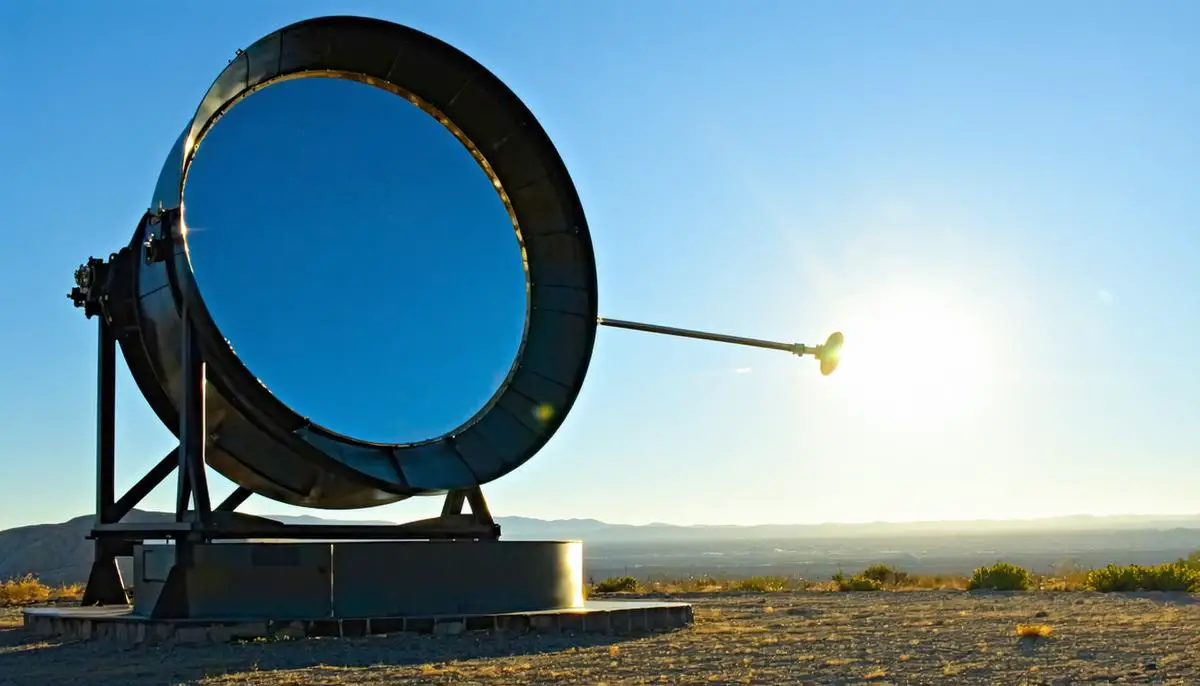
926 637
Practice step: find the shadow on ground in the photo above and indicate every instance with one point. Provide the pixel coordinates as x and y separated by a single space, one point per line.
26 658
1179 598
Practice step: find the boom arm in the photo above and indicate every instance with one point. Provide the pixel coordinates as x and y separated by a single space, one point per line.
827 353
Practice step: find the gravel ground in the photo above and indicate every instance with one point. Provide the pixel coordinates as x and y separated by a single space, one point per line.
921 637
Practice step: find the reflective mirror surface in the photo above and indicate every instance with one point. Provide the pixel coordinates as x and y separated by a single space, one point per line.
357 258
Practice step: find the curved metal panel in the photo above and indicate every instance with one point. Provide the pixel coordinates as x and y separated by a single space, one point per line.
263 445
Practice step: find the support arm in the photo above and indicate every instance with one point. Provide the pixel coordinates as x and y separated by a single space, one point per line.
828 353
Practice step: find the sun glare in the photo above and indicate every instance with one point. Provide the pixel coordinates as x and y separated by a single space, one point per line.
916 359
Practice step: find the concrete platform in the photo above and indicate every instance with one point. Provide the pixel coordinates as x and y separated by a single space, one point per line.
118 624
292 580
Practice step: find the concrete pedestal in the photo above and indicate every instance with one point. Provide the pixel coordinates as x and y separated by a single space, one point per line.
351 579
216 592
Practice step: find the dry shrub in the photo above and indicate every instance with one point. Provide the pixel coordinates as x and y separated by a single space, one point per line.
28 590
692 584
1063 576
618 584
891 578
1181 575
770 584
887 575
23 591
1001 576
1192 561
1172 576
708 584
934 582
67 592
856 583
1034 630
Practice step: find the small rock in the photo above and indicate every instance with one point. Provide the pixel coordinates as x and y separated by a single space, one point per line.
1151 666
1041 613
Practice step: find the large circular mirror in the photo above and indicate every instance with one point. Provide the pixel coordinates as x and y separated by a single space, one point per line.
357 258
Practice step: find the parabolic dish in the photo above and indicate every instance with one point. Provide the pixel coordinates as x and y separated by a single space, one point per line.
264 445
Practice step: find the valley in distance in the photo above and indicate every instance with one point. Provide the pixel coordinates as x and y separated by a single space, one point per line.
60 553
816 552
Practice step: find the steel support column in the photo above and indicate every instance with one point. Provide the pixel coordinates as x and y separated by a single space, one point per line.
104 585
192 432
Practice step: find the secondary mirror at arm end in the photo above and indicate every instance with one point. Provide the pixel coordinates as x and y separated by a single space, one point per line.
828 353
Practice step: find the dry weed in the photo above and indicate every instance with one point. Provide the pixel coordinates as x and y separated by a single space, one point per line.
1034 630
28 590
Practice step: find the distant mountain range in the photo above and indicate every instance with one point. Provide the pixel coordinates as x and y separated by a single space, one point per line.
595 530
60 553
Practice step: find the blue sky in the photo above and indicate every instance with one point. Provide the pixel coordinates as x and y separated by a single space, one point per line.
994 201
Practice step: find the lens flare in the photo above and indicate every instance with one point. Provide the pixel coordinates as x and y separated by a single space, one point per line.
543 412
918 360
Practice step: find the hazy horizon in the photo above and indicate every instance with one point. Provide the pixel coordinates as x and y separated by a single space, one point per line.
1115 518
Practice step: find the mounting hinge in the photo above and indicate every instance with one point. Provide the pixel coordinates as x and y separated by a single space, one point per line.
158 245
89 285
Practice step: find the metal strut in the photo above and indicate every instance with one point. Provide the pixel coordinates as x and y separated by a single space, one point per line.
828 353
193 484
104 585
797 348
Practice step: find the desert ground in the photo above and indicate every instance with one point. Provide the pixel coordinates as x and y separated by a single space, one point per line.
917 637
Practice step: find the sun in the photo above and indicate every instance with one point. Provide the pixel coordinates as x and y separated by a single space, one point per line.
917 359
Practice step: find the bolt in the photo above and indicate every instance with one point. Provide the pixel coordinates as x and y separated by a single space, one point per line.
156 249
